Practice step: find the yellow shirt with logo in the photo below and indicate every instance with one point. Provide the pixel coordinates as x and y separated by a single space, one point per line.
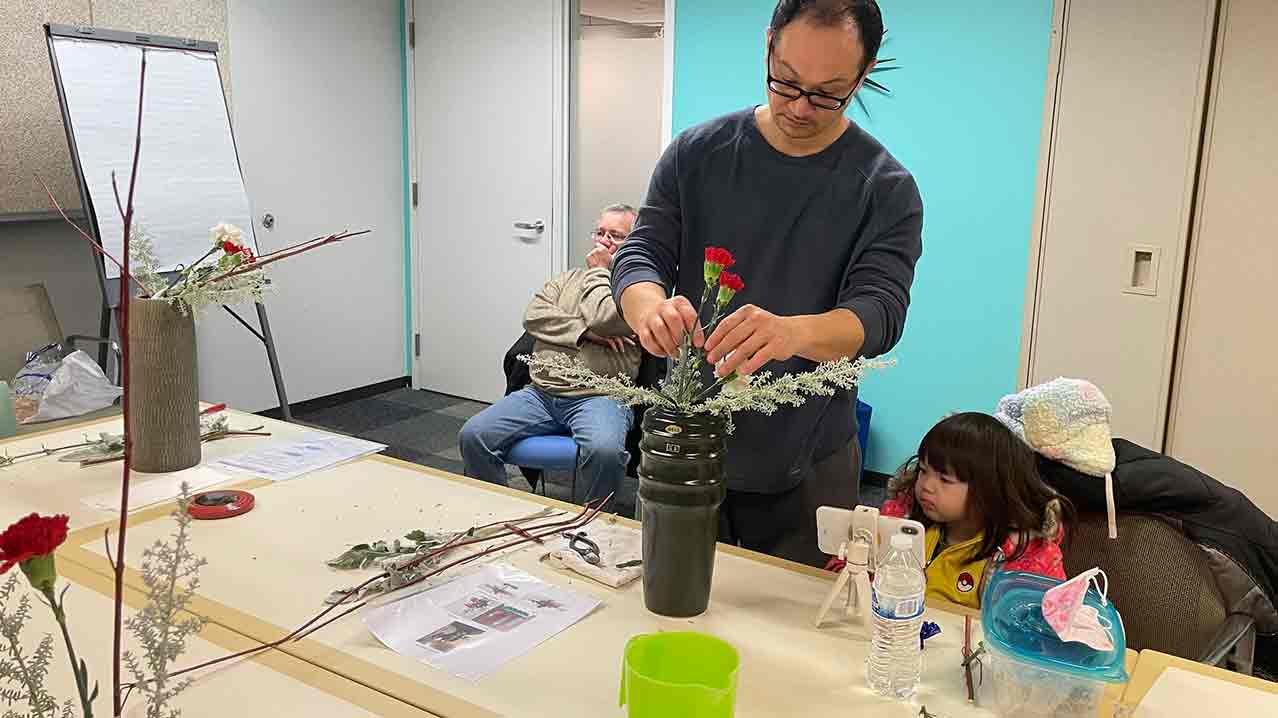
952 575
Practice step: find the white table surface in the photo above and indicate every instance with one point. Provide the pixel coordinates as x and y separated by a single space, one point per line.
266 574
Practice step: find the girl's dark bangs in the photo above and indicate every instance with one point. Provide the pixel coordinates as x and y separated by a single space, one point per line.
950 447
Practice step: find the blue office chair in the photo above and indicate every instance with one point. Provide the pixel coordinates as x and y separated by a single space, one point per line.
547 453
863 413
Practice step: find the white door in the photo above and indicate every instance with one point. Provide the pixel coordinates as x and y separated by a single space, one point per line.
334 329
489 129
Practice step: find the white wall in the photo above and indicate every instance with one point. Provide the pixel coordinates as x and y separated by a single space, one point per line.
317 125
618 132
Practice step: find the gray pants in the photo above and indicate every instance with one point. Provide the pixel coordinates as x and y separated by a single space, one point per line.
784 525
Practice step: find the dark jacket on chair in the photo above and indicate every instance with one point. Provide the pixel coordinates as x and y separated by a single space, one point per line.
1241 541
651 371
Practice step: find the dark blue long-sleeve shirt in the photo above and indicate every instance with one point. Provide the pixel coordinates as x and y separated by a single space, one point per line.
841 228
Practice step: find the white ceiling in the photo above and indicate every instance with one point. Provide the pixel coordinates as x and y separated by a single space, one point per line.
636 11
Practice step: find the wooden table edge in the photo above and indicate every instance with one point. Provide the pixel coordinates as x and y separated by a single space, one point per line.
1152 664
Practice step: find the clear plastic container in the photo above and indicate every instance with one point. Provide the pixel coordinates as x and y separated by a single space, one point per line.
1034 673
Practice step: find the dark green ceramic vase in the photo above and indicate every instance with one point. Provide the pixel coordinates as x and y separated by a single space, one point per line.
680 490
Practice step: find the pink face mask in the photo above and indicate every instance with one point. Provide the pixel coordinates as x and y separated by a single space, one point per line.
1074 620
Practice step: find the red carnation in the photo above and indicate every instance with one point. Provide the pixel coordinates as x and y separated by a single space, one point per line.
31 537
731 281
231 247
720 256
729 285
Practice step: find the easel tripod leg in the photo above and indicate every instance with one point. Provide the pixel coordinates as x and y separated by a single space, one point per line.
274 360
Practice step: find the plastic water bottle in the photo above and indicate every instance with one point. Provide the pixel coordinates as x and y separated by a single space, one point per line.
896 657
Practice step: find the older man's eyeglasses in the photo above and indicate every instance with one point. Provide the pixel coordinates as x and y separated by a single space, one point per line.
601 235
792 91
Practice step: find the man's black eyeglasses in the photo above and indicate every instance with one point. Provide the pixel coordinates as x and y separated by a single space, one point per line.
792 91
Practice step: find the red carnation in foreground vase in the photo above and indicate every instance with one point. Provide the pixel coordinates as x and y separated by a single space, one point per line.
30 543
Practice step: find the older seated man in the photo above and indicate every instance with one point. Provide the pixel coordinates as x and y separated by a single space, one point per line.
574 314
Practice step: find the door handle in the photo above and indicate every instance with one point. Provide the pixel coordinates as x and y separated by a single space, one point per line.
536 226
1141 269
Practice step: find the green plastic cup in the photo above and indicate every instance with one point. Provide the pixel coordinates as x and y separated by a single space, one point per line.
679 674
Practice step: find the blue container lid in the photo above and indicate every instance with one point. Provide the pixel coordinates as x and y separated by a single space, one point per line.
1013 622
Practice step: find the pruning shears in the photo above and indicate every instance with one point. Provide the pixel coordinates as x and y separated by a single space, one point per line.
588 550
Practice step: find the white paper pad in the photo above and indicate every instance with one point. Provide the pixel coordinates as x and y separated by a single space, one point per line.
145 491
1179 692
311 452
476 623
188 173
618 545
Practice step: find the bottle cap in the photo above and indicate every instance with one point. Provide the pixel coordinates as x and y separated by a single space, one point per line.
902 542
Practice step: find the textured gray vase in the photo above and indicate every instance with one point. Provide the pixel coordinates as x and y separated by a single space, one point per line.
163 387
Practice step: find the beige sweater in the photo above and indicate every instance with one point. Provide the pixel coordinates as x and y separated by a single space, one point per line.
558 318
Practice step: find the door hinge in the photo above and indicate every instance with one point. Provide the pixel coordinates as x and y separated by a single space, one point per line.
414 194
417 345
412 34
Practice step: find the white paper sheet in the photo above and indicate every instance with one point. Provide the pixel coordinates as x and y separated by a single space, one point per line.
188 172
145 491
476 623
1179 692
311 452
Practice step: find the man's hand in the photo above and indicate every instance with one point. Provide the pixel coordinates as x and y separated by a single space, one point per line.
617 344
754 337
663 326
600 257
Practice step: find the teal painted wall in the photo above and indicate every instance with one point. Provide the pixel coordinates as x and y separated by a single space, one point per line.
964 116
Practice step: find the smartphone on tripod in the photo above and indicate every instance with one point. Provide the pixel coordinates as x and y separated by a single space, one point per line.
836 526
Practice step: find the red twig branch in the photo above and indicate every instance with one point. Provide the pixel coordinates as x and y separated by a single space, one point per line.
285 254
115 190
967 663
92 242
106 540
534 534
292 247
522 532
117 695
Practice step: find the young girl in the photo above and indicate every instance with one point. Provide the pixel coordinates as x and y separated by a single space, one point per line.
975 486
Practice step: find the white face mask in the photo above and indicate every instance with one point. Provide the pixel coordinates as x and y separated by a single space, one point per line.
1072 618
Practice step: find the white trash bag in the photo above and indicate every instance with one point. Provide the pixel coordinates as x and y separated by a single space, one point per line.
77 387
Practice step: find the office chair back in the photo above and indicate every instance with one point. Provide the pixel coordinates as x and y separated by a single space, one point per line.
27 322
1159 581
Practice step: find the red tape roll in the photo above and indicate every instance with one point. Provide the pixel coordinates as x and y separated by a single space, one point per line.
221 504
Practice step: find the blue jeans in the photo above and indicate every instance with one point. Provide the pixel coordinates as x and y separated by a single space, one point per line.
598 425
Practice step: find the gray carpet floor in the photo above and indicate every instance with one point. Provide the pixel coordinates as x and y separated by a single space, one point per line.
422 427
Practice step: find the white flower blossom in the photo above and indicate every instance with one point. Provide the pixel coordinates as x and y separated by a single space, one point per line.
223 232
761 392
738 385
